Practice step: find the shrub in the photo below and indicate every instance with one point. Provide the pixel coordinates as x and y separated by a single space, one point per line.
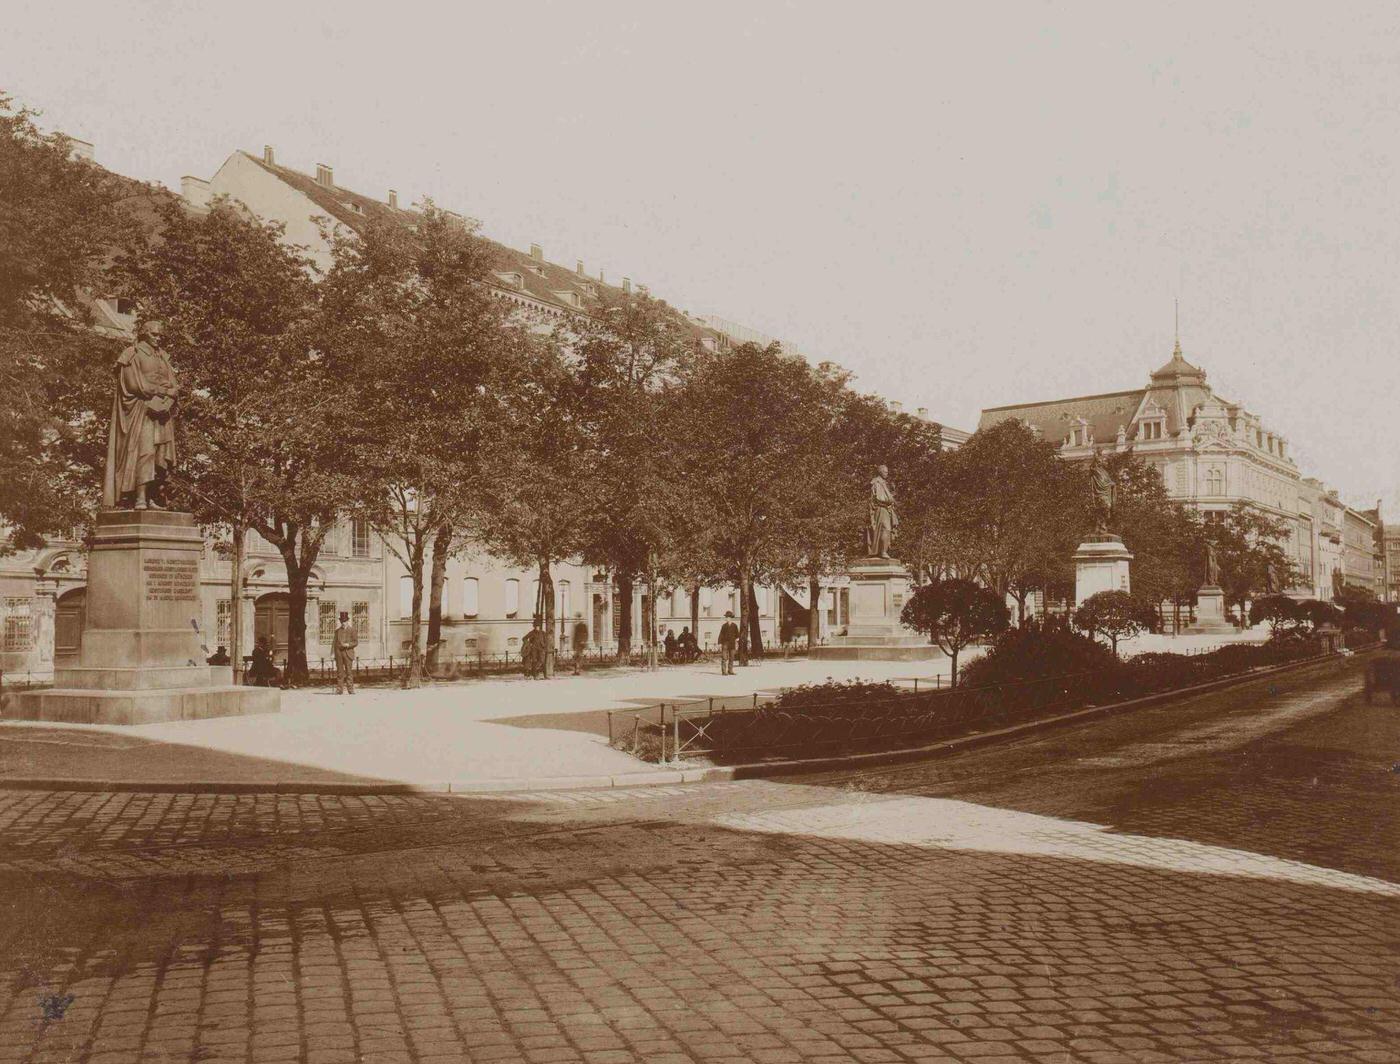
1278 611
1027 654
1117 614
832 693
954 613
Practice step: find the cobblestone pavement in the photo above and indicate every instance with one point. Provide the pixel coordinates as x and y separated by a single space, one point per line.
1212 881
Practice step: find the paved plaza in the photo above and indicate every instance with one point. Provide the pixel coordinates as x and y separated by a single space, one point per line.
466 732
1213 880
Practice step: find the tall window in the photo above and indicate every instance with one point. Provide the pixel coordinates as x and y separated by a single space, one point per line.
512 597
326 618
359 538
534 602
565 606
707 601
17 634
223 622
1215 482
405 596
359 615
471 596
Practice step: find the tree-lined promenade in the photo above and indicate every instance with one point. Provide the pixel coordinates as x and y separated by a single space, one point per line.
394 386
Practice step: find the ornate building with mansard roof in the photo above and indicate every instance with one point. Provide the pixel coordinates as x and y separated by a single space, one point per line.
1211 453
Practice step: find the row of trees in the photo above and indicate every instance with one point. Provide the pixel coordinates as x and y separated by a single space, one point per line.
393 386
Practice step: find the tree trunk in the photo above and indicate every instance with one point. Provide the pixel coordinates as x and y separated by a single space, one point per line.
953 680
297 673
442 543
546 611
1020 597
814 617
651 611
755 625
744 582
695 613
235 604
624 622
414 676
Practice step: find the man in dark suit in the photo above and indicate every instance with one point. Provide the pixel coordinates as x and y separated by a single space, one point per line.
346 640
728 640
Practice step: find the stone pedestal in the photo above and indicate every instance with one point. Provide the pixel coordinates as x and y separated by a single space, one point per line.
879 588
1210 612
142 660
1101 564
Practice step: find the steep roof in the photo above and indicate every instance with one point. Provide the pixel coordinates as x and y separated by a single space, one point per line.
1177 388
1053 420
540 280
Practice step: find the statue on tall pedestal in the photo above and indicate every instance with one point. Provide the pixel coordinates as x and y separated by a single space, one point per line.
141 440
1105 493
1212 567
883 520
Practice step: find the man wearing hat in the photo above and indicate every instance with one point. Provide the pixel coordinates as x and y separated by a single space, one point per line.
728 640
346 640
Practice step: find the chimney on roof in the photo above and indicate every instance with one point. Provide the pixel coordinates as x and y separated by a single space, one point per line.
536 252
644 289
627 284
601 279
898 408
579 269
923 413
394 198
325 176
268 157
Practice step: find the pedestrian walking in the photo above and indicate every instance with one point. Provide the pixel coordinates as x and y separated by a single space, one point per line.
346 640
728 640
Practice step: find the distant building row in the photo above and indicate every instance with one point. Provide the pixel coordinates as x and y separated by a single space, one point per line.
1212 453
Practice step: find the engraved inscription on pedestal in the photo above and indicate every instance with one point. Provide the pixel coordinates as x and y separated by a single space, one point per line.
170 579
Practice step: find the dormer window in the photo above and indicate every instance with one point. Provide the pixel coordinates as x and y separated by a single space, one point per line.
569 298
1080 434
515 280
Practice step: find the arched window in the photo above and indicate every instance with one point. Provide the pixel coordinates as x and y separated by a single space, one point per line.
512 597
471 596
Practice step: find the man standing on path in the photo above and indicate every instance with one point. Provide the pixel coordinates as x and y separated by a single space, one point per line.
346 640
728 640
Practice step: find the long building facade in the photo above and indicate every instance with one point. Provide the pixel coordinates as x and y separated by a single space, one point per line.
488 605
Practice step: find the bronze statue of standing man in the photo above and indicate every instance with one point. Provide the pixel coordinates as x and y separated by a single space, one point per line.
883 520
1105 492
141 440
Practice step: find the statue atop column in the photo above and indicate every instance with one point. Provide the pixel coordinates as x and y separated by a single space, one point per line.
883 520
1104 490
141 439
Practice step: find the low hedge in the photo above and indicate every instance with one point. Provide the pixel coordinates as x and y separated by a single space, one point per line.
856 715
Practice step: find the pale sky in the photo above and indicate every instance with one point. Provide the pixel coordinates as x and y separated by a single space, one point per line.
968 205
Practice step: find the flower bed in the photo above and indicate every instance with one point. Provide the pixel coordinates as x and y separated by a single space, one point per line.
818 720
